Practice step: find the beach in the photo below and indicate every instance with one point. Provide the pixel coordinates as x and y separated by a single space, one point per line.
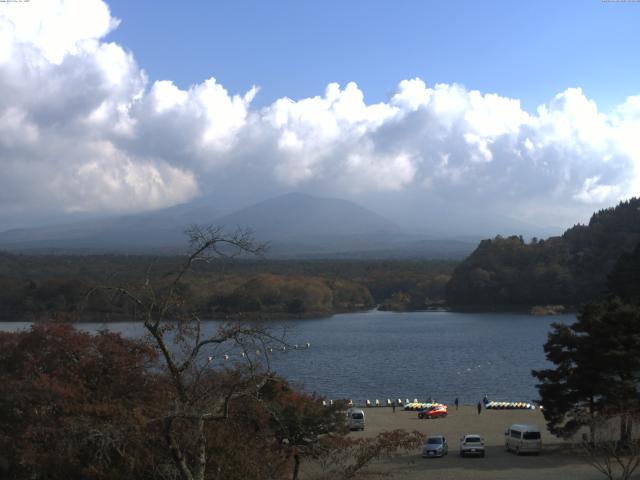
556 461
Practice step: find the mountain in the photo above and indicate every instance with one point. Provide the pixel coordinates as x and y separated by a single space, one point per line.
160 229
299 216
295 225
571 269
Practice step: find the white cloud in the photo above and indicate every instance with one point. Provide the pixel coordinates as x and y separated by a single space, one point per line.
596 193
84 130
65 108
370 172
57 28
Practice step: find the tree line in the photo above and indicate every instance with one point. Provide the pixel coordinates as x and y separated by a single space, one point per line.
35 287
511 273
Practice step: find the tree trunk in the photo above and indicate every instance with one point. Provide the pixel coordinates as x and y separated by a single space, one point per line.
592 423
625 429
178 458
296 466
201 450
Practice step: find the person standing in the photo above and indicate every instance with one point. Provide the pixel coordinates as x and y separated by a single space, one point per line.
393 406
456 402
479 408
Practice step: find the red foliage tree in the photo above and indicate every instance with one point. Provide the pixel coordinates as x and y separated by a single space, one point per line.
75 405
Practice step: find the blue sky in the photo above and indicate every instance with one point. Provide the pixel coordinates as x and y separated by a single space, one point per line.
460 111
528 50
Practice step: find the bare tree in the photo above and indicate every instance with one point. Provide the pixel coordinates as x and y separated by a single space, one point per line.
341 457
190 354
606 452
203 386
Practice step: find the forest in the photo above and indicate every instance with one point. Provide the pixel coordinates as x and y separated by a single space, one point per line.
510 273
34 287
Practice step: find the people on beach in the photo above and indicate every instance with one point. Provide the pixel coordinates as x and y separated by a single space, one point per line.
479 408
393 406
456 402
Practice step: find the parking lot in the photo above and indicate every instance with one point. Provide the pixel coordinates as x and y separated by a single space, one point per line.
556 461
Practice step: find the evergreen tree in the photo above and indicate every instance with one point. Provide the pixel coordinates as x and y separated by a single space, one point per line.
624 280
597 369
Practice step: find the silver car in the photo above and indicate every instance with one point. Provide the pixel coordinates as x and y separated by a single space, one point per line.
355 419
435 446
472 444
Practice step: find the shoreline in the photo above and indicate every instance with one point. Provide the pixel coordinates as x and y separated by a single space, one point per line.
274 317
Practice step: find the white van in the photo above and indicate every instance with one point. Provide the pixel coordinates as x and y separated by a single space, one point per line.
521 438
355 419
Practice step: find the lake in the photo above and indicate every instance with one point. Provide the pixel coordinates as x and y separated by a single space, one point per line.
383 355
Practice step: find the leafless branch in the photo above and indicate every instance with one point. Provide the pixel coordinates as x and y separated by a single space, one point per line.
606 452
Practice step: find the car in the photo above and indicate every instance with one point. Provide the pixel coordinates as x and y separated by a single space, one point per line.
355 419
435 446
433 411
521 438
472 444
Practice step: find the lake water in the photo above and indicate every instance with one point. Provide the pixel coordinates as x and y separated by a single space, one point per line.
407 355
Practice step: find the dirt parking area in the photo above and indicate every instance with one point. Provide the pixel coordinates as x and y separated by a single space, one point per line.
555 462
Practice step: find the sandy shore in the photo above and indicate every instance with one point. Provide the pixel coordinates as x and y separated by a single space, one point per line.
555 462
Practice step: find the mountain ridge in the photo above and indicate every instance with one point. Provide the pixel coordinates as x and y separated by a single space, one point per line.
296 225
307 216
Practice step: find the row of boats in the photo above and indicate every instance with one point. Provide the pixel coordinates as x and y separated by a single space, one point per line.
509 406
406 405
415 405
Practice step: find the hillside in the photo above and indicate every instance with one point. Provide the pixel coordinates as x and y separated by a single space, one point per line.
296 226
296 215
310 223
160 229
507 272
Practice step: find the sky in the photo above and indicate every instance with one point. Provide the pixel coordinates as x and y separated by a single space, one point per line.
524 50
421 110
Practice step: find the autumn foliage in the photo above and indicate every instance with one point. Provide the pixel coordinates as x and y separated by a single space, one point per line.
75 405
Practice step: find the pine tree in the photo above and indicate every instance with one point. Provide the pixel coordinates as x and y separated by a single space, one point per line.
597 369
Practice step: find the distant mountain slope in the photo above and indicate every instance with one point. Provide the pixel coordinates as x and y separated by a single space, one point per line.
295 226
296 215
313 224
158 229
303 226
366 248
569 270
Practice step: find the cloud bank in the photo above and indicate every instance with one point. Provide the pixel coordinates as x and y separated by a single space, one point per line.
84 130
